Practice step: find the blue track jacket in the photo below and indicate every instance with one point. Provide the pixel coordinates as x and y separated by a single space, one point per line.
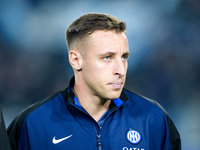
60 123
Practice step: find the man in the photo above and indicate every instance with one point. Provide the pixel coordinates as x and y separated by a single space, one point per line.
4 143
95 112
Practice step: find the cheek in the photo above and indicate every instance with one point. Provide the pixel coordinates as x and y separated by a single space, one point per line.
95 67
90 71
96 70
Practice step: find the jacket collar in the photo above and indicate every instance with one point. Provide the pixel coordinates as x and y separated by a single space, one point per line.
70 97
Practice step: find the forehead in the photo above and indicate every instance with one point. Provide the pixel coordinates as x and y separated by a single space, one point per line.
109 39
103 34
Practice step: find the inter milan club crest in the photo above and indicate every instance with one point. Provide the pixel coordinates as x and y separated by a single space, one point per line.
133 136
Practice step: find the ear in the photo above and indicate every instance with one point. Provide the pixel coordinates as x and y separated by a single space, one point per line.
75 59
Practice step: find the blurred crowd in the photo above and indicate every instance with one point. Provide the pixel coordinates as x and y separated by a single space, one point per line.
28 76
165 53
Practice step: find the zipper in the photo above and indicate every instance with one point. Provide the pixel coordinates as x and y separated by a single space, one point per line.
99 142
97 127
98 134
98 130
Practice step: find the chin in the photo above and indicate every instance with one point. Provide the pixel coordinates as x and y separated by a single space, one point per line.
115 95
110 94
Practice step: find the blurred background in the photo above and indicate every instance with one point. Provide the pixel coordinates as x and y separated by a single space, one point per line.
164 65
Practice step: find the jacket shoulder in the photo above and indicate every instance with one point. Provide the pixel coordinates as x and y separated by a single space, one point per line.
14 129
175 141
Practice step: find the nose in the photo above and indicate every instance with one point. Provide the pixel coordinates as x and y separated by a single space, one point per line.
120 68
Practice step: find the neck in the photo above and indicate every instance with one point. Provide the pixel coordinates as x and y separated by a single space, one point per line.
93 104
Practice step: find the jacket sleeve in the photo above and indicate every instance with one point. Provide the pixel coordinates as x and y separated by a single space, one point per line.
174 139
14 130
4 144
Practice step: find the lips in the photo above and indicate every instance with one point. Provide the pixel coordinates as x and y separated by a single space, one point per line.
116 86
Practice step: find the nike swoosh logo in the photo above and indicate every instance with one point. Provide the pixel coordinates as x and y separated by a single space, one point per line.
56 141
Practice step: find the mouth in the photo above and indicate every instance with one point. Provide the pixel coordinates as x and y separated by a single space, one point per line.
116 85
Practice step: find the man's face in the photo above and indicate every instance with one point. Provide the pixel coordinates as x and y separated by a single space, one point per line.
104 64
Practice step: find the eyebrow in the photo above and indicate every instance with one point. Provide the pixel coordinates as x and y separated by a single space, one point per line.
126 54
113 53
108 53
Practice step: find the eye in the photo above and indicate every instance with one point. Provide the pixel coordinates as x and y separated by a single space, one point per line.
107 58
124 57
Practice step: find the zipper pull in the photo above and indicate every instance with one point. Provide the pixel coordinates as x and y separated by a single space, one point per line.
99 142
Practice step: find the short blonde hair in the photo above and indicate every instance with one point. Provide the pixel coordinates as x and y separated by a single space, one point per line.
88 23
